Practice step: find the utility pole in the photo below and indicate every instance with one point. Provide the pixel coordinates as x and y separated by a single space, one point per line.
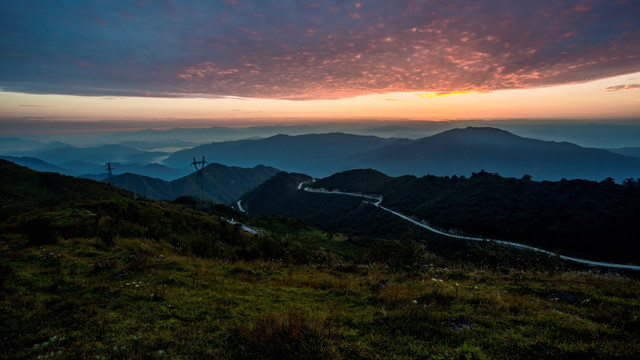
199 165
109 174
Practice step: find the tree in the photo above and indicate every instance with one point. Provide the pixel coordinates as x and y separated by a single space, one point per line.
629 185
608 181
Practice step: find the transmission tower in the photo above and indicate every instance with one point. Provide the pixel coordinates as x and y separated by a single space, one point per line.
109 174
199 165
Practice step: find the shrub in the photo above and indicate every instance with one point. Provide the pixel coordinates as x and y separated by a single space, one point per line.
106 230
40 231
397 254
296 335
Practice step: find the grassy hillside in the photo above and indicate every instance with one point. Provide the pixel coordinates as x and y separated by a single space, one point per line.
22 189
115 278
142 299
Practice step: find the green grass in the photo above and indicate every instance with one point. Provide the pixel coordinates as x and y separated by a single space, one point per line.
296 230
142 299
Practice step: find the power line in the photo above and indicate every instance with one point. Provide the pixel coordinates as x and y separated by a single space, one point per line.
109 174
199 165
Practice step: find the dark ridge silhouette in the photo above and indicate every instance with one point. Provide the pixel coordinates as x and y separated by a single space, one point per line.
452 152
463 151
221 183
316 154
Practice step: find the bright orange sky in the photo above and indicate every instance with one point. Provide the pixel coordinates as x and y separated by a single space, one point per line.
615 97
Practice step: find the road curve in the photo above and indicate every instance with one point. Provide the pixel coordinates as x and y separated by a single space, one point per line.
239 203
378 201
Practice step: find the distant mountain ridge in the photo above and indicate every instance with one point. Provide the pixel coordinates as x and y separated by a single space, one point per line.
98 154
464 151
222 183
627 151
452 152
99 172
13 145
316 154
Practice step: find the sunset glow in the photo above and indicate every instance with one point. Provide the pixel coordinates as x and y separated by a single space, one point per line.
578 101
330 60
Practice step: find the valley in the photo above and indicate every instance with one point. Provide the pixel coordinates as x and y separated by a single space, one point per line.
287 265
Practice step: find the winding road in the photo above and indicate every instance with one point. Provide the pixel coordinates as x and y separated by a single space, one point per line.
239 203
378 200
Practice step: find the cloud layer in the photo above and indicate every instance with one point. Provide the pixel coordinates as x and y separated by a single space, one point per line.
292 49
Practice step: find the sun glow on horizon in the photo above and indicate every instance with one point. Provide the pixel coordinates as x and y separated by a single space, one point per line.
616 97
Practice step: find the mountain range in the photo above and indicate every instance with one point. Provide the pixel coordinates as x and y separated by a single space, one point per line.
99 154
452 152
627 151
99 171
316 154
464 151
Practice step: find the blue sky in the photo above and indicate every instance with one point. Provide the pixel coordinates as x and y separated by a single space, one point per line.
311 50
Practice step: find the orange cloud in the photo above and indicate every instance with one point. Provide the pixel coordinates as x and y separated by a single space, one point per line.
447 93
623 87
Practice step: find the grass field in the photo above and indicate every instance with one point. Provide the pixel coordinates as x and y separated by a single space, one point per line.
142 299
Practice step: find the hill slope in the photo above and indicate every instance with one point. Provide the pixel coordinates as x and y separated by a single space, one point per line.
23 189
598 220
38 165
586 219
280 196
221 183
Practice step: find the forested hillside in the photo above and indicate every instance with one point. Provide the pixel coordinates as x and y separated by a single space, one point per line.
221 183
281 196
597 219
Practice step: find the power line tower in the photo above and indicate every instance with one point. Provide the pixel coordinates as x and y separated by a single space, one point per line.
109 174
199 165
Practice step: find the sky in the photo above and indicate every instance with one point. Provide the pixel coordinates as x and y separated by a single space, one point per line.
241 61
